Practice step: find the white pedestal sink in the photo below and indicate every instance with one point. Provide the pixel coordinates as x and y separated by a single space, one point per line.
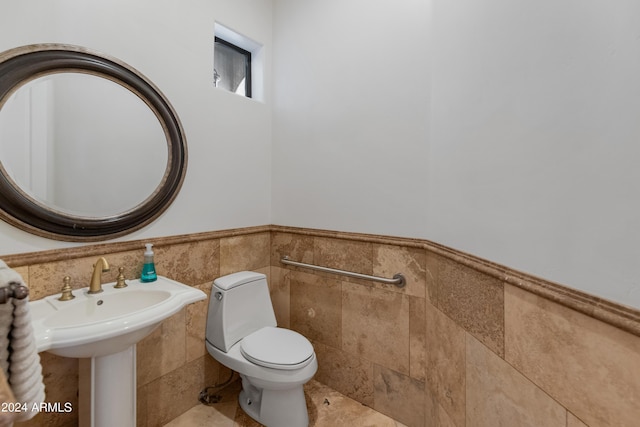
103 330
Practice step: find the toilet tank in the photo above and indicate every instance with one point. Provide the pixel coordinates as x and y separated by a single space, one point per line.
239 305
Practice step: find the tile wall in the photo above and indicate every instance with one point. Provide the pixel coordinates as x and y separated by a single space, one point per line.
465 343
172 363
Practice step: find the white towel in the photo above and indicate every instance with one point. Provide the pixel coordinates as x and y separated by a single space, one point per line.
7 276
24 369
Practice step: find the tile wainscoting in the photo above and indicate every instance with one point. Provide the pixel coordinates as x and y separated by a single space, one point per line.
466 343
172 363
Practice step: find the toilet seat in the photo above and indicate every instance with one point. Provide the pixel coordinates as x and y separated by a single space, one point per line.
277 348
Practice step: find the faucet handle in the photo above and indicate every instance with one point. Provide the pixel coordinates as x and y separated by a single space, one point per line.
120 281
67 295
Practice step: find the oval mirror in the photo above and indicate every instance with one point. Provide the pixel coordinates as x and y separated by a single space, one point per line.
89 148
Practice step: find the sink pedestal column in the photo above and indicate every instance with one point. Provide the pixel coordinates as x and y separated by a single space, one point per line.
108 390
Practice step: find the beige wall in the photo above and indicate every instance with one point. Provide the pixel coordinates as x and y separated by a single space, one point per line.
465 343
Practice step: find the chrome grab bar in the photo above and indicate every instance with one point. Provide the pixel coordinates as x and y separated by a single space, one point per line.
14 290
397 280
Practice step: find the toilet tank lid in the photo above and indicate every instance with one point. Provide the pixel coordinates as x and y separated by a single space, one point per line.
236 279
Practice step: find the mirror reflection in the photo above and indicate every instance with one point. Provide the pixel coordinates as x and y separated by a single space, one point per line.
82 144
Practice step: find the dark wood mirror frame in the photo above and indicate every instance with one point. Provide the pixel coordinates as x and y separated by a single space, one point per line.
19 66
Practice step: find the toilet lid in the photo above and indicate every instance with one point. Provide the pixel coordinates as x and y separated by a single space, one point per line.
277 348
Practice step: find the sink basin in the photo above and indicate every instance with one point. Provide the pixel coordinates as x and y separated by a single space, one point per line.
108 322
103 308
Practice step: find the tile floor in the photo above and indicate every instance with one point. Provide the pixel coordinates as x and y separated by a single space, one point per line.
327 408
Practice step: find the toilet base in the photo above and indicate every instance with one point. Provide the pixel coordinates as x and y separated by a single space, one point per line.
274 408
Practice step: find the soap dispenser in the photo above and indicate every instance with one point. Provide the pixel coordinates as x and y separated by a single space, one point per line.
148 268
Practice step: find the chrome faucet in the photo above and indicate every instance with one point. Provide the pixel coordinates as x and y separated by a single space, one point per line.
95 287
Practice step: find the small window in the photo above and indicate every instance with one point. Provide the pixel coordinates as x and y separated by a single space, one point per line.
231 67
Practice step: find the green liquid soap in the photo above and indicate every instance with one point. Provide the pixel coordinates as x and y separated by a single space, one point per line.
148 268
148 273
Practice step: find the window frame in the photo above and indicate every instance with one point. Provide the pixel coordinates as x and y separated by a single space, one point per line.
246 54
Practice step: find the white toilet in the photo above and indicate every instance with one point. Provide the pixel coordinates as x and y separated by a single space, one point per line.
274 363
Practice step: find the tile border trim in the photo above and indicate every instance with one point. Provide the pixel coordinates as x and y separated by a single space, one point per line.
18 260
618 315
